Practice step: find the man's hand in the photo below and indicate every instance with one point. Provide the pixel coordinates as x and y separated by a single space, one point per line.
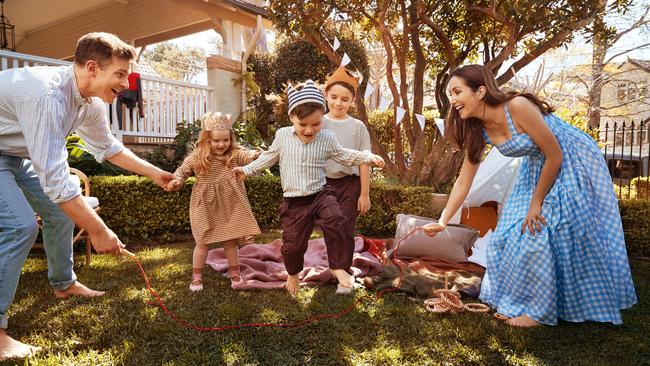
174 186
105 241
239 172
162 179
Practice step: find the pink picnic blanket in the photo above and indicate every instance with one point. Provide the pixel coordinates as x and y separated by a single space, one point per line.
262 265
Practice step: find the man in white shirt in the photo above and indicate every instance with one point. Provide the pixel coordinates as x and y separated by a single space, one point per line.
39 107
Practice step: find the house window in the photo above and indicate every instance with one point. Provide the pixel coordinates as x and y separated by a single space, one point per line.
622 92
643 89
632 92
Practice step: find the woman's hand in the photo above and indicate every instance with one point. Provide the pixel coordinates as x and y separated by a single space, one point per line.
434 228
534 220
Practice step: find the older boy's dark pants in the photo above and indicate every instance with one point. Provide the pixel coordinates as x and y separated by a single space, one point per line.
298 216
347 191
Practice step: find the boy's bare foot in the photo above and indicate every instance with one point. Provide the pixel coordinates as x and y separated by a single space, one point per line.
293 284
345 279
78 289
11 348
523 321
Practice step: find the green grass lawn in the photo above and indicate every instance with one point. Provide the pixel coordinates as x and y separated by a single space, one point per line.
122 329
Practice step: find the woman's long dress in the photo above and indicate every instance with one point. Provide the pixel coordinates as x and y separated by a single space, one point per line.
576 269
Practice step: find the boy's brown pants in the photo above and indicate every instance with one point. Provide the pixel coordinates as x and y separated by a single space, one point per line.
298 216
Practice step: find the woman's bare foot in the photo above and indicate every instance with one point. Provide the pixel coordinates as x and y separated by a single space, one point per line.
11 348
523 321
500 316
78 289
293 284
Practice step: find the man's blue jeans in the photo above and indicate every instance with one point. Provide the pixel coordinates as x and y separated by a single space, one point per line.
20 196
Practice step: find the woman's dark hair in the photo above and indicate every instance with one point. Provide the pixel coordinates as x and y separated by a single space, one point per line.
468 133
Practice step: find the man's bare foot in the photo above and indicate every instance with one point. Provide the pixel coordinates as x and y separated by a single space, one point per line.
523 321
11 348
78 289
293 284
344 278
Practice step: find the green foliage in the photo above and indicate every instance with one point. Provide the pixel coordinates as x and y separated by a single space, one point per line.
170 157
435 37
271 74
390 200
79 157
636 225
176 62
642 186
136 207
384 123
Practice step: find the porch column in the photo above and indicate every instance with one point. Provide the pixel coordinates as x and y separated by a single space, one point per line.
224 76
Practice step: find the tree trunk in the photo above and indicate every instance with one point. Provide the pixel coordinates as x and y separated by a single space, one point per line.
597 59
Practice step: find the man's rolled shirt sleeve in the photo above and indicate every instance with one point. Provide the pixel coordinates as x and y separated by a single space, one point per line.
96 133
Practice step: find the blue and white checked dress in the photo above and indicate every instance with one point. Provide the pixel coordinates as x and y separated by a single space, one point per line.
576 269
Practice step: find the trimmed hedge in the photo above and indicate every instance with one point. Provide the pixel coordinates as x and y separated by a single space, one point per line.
134 207
642 186
636 225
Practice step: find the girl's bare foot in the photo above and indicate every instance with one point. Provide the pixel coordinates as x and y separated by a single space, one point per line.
523 321
293 284
11 348
197 282
234 273
78 289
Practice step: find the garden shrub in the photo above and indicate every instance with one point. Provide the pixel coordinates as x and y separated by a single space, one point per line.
636 225
134 207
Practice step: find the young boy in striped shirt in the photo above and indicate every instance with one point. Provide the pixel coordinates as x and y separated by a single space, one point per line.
301 151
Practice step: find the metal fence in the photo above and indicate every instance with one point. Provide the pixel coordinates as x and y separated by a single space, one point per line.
625 147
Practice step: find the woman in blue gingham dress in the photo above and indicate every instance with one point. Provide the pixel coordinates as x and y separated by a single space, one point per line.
568 261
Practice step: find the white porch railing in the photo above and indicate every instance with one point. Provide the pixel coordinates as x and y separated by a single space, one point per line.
166 103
